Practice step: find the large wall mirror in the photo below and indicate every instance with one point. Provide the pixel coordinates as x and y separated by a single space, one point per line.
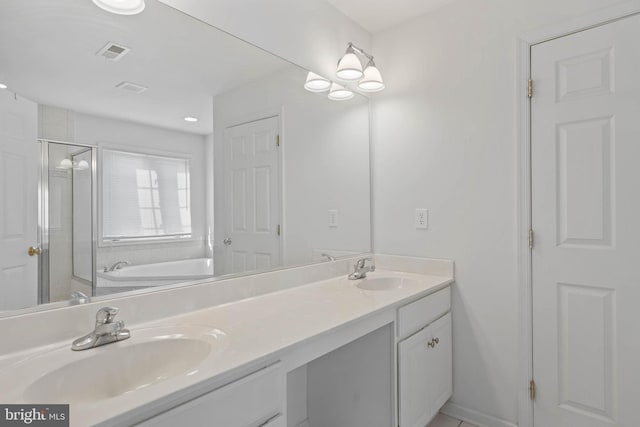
149 150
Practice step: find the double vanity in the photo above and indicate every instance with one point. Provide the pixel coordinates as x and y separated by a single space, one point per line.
308 346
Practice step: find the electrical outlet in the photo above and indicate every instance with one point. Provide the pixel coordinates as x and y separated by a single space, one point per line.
422 219
333 218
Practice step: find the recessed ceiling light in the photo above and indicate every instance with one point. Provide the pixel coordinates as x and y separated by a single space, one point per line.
3 86
121 7
191 119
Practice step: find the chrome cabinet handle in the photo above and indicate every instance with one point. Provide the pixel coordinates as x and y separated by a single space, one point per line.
227 241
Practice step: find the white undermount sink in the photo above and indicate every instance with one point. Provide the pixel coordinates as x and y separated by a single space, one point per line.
149 357
385 283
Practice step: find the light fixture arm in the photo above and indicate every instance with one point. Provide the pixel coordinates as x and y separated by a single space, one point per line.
356 49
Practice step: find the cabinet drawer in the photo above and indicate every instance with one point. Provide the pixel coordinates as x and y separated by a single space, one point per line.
415 316
249 402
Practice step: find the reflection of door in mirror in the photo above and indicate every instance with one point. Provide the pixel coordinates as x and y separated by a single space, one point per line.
252 196
18 211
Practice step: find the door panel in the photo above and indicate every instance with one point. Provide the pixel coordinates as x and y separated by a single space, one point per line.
252 195
585 208
18 202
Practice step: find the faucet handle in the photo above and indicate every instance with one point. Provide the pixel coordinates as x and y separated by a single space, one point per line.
362 262
106 315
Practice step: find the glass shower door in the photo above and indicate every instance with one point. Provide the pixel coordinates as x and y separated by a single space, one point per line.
68 222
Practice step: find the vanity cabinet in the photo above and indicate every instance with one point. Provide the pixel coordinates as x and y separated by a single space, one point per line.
424 359
256 400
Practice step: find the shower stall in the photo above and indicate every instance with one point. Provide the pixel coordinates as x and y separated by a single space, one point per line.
67 221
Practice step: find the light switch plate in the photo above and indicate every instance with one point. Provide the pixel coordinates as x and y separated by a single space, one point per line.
422 219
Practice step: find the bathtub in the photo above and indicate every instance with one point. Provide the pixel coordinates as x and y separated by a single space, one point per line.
133 277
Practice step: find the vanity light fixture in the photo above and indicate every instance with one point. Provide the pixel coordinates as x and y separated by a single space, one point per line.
350 69
121 7
3 86
339 92
191 119
316 83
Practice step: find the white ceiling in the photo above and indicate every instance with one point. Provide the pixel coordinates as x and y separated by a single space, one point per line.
378 15
48 47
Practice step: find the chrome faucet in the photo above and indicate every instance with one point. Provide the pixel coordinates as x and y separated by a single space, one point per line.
105 332
117 266
361 269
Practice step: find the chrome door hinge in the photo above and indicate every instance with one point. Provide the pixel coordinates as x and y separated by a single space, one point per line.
278 230
277 140
530 239
529 88
532 390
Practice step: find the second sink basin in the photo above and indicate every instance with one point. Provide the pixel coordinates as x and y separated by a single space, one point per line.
385 283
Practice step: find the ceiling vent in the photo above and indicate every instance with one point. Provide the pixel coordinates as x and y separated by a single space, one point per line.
131 87
113 51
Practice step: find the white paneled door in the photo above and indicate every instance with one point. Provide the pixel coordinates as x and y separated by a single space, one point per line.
18 203
586 218
252 196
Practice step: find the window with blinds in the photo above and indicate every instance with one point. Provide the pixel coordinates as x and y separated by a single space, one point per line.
144 196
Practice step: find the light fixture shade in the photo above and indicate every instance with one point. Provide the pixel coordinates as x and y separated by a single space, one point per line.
339 93
372 79
66 164
3 86
316 83
121 7
349 67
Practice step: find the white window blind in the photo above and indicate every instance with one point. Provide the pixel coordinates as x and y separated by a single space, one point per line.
144 196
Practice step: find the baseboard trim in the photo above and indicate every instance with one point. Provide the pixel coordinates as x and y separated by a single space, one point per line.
474 417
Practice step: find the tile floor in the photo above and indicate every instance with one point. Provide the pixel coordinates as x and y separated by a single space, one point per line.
442 420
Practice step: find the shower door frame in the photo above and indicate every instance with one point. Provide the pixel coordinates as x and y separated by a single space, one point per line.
43 216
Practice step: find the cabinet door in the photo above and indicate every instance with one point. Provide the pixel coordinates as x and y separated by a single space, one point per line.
413 380
440 363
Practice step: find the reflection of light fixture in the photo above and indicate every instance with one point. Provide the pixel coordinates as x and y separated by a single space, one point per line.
350 69
121 7
316 83
372 80
3 86
190 119
349 66
83 165
67 164
339 92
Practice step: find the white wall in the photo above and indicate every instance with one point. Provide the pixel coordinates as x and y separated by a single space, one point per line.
444 139
106 132
325 162
310 33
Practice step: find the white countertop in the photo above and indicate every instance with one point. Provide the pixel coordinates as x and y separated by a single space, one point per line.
255 329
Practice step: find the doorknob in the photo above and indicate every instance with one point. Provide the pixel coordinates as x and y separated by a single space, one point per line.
33 251
227 241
